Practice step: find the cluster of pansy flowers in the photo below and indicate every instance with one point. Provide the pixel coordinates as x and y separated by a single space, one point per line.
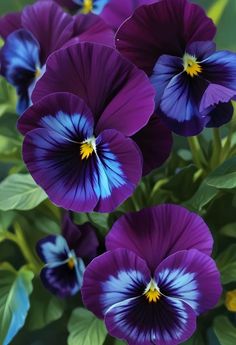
97 108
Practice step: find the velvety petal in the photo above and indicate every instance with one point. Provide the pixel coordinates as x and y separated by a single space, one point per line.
201 50
51 26
62 280
192 277
119 95
117 11
99 183
53 250
220 115
92 28
164 70
112 278
179 106
165 27
81 238
167 322
157 232
119 169
9 23
40 115
220 68
19 61
216 94
155 142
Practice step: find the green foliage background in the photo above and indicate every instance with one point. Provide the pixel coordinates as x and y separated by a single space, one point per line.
200 174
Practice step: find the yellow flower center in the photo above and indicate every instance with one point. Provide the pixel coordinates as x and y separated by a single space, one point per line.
87 148
71 263
191 66
87 6
152 292
37 73
230 300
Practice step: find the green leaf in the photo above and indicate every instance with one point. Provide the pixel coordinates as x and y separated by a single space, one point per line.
20 192
44 308
226 263
6 219
202 197
224 177
224 330
229 230
85 328
15 288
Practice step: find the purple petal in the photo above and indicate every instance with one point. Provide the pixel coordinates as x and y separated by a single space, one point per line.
157 232
112 278
220 115
119 95
53 250
116 11
165 27
51 105
216 94
119 167
91 28
62 280
201 50
179 106
167 322
155 142
50 25
9 23
192 277
81 238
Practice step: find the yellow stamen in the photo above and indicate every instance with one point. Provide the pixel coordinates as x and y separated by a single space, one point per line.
191 66
71 263
230 300
37 73
152 292
86 149
87 6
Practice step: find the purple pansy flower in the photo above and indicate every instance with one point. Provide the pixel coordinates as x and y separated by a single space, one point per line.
65 257
115 90
156 277
32 35
171 41
77 148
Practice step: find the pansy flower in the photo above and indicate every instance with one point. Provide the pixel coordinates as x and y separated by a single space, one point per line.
32 35
156 277
171 41
77 148
118 95
65 257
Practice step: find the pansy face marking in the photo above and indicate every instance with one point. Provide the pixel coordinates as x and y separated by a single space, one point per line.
191 66
88 6
87 148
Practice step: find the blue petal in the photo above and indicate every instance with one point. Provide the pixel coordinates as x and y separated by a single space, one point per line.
98 5
53 250
19 61
220 115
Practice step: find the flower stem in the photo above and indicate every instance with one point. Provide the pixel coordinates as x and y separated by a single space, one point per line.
197 154
217 148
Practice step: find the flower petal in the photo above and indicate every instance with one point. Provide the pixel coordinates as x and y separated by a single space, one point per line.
62 280
191 276
216 94
110 90
167 322
220 115
91 28
44 114
19 60
53 250
165 27
155 142
157 232
10 23
51 26
179 106
81 238
112 278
